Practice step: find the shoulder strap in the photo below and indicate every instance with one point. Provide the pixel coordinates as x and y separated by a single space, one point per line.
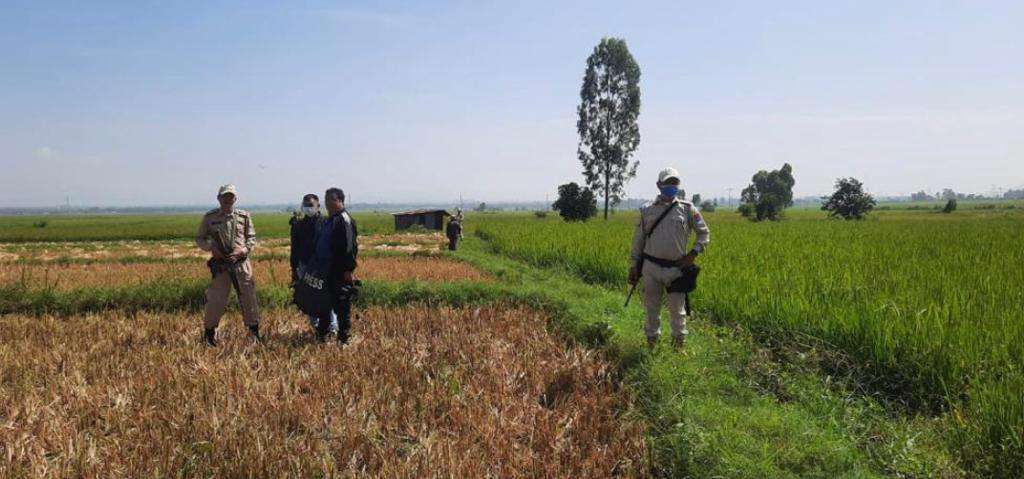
665 213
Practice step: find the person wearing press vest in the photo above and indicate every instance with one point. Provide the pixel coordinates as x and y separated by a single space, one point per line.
661 253
337 246
303 225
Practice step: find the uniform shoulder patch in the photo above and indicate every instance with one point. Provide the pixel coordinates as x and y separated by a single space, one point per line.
242 213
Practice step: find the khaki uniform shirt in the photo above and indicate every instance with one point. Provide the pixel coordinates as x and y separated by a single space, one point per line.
234 229
670 240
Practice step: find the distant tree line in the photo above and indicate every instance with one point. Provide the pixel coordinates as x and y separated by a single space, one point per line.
1014 194
949 194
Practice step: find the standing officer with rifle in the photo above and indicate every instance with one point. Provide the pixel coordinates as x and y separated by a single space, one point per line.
227 233
660 255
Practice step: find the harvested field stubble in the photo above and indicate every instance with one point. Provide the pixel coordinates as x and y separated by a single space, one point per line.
98 250
83 251
418 393
272 272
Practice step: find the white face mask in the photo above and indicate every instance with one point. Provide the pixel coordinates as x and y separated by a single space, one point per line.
310 210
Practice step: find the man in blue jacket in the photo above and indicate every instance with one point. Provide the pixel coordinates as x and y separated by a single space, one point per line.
337 246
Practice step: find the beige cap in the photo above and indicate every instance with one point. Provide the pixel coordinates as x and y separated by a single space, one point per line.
668 173
227 189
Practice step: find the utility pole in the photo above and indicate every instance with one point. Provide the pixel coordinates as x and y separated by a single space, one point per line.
729 201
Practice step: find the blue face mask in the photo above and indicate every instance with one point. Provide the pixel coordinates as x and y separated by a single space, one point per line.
669 191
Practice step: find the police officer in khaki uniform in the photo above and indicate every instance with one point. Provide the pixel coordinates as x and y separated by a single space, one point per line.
228 234
664 248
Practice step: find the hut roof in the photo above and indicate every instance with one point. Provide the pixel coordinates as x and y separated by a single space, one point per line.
421 212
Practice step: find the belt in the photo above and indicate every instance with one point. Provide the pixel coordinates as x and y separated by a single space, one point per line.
665 263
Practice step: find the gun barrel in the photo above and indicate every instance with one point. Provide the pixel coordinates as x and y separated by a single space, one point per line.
630 295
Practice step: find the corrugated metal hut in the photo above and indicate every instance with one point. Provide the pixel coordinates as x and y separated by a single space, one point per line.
429 219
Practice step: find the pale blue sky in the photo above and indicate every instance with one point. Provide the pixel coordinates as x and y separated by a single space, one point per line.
119 103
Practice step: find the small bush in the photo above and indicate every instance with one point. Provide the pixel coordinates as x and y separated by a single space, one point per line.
575 203
746 210
540 214
950 206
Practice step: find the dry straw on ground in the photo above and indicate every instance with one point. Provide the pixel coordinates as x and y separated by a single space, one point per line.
272 272
420 393
175 249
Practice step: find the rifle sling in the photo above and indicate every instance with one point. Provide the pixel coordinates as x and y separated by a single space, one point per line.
648 233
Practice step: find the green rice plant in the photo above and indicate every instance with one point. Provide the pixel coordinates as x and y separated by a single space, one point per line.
928 308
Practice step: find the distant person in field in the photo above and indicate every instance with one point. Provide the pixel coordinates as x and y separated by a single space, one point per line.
337 247
661 248
304 224
228 234
454 231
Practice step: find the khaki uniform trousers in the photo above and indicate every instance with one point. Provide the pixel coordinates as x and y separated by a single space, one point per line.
656 279
219 291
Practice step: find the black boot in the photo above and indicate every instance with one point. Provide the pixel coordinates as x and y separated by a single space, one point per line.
323 328
255 330
210 335
343 336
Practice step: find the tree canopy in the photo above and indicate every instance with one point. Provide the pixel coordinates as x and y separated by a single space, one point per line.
607 125
769 193
575 203
849 201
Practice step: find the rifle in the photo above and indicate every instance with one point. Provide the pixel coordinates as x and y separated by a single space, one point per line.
215 265
639 267
647 234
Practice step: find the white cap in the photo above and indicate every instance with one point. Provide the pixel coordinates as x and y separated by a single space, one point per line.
226 189
668 173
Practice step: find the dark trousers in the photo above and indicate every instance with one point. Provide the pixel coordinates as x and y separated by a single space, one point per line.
453 243
343 309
